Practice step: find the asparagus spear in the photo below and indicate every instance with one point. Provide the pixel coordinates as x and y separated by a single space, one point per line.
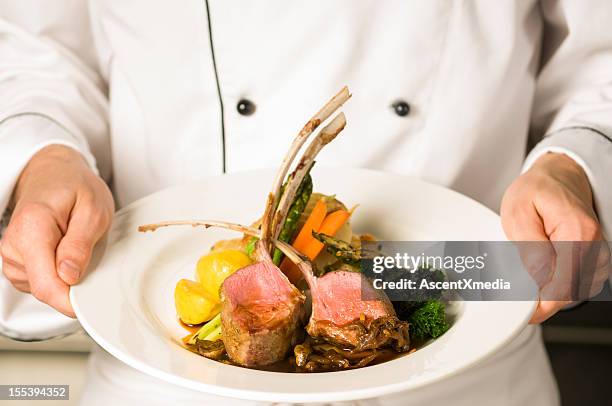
293 216
274 197
342 250
289 227
210 331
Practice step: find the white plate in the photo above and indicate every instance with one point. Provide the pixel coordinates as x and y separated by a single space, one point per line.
126 302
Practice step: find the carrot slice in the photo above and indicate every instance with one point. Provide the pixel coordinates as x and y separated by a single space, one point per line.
304 237
314 222
330 226
306 244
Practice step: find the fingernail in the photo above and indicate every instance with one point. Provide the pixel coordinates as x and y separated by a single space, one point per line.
68 270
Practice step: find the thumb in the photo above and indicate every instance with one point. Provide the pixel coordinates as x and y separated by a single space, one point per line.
75 248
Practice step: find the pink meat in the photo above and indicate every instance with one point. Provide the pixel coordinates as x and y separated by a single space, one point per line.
343 301
261 314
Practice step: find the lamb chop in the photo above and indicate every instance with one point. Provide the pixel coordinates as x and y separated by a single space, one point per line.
261 314
262 311
351 316
344 305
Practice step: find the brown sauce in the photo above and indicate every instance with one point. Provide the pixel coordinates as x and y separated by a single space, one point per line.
192 328
288 364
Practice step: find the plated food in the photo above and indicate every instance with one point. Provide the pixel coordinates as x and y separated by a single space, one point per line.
289 295
125 301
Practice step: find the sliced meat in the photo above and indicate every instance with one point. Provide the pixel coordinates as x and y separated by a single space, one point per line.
349 312
343 296
261 309
260 314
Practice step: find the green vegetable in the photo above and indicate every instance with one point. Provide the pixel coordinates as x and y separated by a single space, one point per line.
295 211
428 320
210 331
250 247
342 250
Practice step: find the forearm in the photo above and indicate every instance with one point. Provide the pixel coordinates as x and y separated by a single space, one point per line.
48 94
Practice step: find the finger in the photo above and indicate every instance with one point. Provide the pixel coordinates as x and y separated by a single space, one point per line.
523 225
546 309
539 259
587 278
14 274
557 293
571 259
38 253
12 267
85 228
47 287
22 287
520 219
584 258
603 271
581 267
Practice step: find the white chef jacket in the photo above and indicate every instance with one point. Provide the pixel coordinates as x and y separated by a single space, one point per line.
148 92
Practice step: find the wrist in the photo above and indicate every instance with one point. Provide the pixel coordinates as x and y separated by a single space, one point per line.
558 161
568 172
561 166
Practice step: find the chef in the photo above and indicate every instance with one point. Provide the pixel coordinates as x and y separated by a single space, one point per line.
104 102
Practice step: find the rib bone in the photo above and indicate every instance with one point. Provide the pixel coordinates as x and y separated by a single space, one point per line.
294 256
327 135
273 198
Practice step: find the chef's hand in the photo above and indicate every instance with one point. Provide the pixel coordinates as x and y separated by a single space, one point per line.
550 203
62 208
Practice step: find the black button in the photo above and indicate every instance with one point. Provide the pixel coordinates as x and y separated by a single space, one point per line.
401 108
245 107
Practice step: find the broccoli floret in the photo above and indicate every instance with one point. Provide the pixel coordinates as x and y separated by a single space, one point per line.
429 320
